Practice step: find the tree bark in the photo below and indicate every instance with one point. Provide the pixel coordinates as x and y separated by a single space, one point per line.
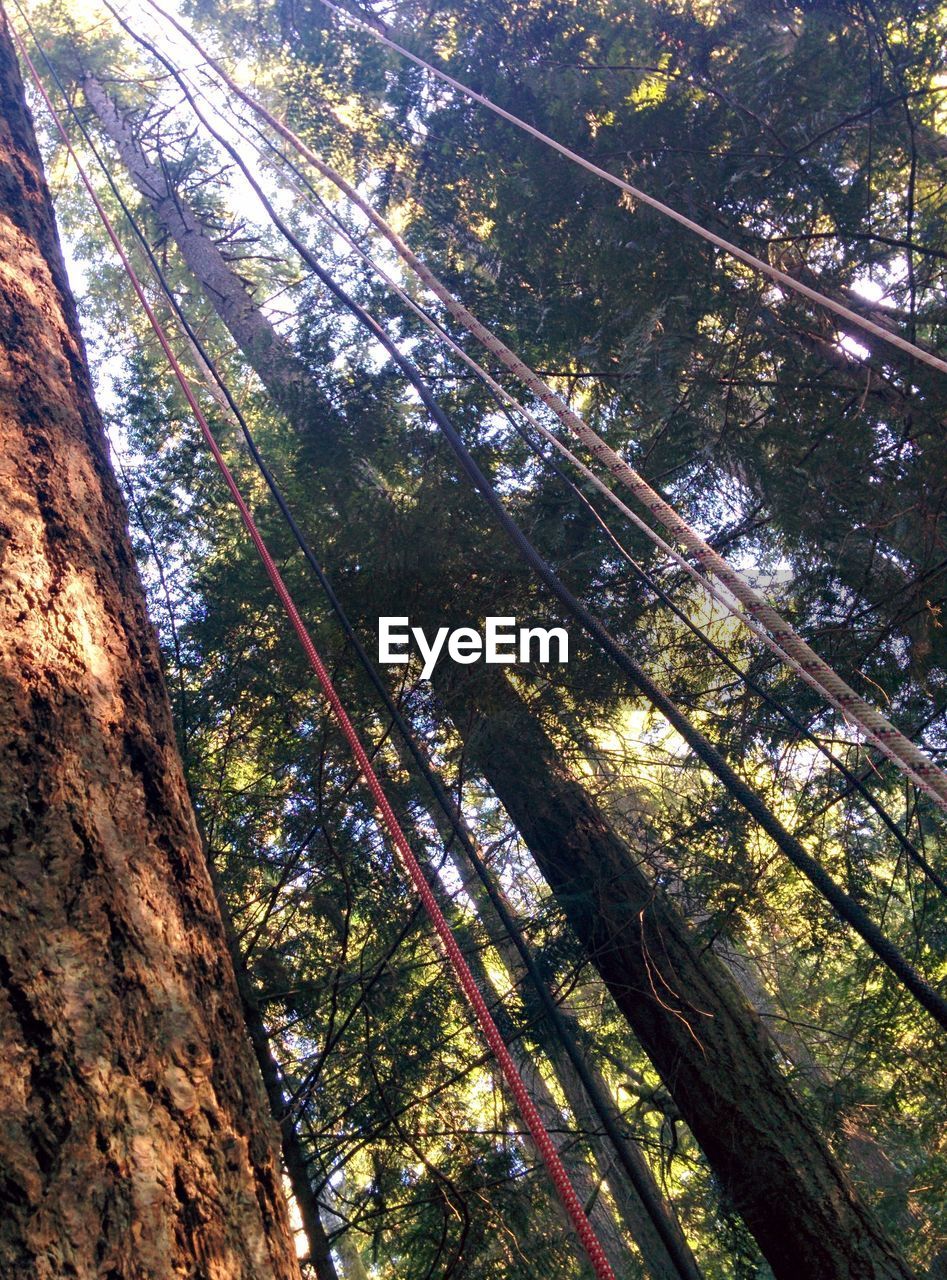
707 1044
134 1135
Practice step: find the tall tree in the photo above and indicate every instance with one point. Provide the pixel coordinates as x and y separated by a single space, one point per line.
135 1138
809 134
712 1054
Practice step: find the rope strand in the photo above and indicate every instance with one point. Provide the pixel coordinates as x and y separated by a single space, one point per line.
751 260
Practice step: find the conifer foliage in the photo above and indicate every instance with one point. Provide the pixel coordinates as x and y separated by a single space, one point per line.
737 1086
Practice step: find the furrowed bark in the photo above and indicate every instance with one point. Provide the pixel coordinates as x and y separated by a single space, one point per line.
134 1135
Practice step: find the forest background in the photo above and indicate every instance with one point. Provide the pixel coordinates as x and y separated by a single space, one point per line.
813 455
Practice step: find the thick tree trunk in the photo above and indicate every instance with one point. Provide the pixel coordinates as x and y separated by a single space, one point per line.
701 1035
134 1133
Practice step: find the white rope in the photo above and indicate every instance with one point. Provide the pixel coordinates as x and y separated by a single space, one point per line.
517 406
802 659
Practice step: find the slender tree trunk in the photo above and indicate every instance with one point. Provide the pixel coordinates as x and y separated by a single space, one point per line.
294 1152
587 1185
353 1268
267 352
695 1026
581 1175
135 1140
658 1264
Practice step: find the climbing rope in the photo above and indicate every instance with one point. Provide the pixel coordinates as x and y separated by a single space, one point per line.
798 655
680 1256
465 979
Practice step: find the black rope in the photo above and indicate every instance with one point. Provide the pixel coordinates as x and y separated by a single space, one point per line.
856 784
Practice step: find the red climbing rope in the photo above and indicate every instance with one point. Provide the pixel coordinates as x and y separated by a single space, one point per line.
465 978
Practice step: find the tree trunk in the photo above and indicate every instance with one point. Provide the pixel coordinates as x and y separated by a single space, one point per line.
707 1044
353 1268
870 1165
581 1175
634 1216
658 1263
294 1152
135 1139
267 352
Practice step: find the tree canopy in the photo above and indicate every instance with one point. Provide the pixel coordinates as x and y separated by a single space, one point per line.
813 455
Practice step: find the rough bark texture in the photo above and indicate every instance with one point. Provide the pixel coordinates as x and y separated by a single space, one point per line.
134 1134
693 1023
